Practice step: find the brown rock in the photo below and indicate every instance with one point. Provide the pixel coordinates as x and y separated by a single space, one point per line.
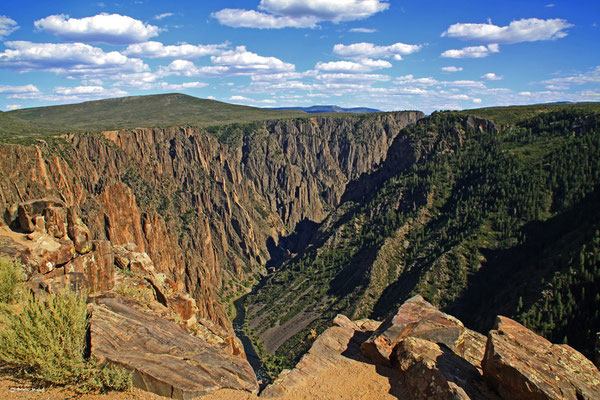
522 365
25 222
56 221
44 253
183 305
78 232
434 372
415 318
164 358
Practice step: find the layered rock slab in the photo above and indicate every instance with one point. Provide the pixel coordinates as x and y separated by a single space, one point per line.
522 365
434 372
416 318
164 358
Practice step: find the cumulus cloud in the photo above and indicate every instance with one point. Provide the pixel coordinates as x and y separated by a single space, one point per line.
452 69
352 78
363 65
68 59
181 86
181 51
242 61
490 76
7 26
229 63
366 50
4 89
237 18
472 52
524 30
276 14
97 91
10 107
101 28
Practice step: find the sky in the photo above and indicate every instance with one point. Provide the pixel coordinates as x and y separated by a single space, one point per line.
391 55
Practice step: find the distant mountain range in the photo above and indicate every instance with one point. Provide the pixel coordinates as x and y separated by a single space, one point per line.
330 109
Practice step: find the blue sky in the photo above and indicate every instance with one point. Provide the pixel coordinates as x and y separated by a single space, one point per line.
390 55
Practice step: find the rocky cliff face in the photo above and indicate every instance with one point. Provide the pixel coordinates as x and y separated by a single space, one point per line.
203 205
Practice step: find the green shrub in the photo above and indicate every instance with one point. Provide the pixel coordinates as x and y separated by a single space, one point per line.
11 276
47 338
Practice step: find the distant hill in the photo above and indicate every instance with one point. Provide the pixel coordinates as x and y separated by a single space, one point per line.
132 112
330 109
514 114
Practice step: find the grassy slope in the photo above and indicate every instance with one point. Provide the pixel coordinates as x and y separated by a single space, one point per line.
132 112
514 114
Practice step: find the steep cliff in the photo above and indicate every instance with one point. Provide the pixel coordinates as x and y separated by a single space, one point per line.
478 220
206 206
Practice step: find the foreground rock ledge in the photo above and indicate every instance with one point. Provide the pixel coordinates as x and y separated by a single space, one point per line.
164 358
522 365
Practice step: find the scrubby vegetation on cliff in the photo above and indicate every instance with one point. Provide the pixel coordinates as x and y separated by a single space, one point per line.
46 337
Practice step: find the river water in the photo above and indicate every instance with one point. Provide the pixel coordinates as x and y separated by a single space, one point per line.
238 327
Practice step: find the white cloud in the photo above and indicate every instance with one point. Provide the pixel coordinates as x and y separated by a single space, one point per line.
7 26
181 86
229 63
490 76
590 77
524 30
105 28
97 91
181 51
477 100
364 50
363 65
472 52
163 15
325 10
277 14
550 5
460 97
525 93
10 107
241 61
242 99
363 30
353 78
452 69
68 59
4 89
237 18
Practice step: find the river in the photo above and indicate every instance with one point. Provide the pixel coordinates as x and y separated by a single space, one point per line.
238 327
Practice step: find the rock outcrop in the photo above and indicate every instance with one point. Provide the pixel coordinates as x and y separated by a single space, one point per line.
441 359
165 359
418 319
522 365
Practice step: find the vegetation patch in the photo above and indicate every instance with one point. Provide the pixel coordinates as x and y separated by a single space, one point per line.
46 338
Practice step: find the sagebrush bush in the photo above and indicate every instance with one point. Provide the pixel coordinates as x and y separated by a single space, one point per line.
47 338
11 277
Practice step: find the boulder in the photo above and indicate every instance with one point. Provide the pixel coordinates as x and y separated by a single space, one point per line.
43 252
415 318
55 221
520 364
164 358
78 232
97 267
434 372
